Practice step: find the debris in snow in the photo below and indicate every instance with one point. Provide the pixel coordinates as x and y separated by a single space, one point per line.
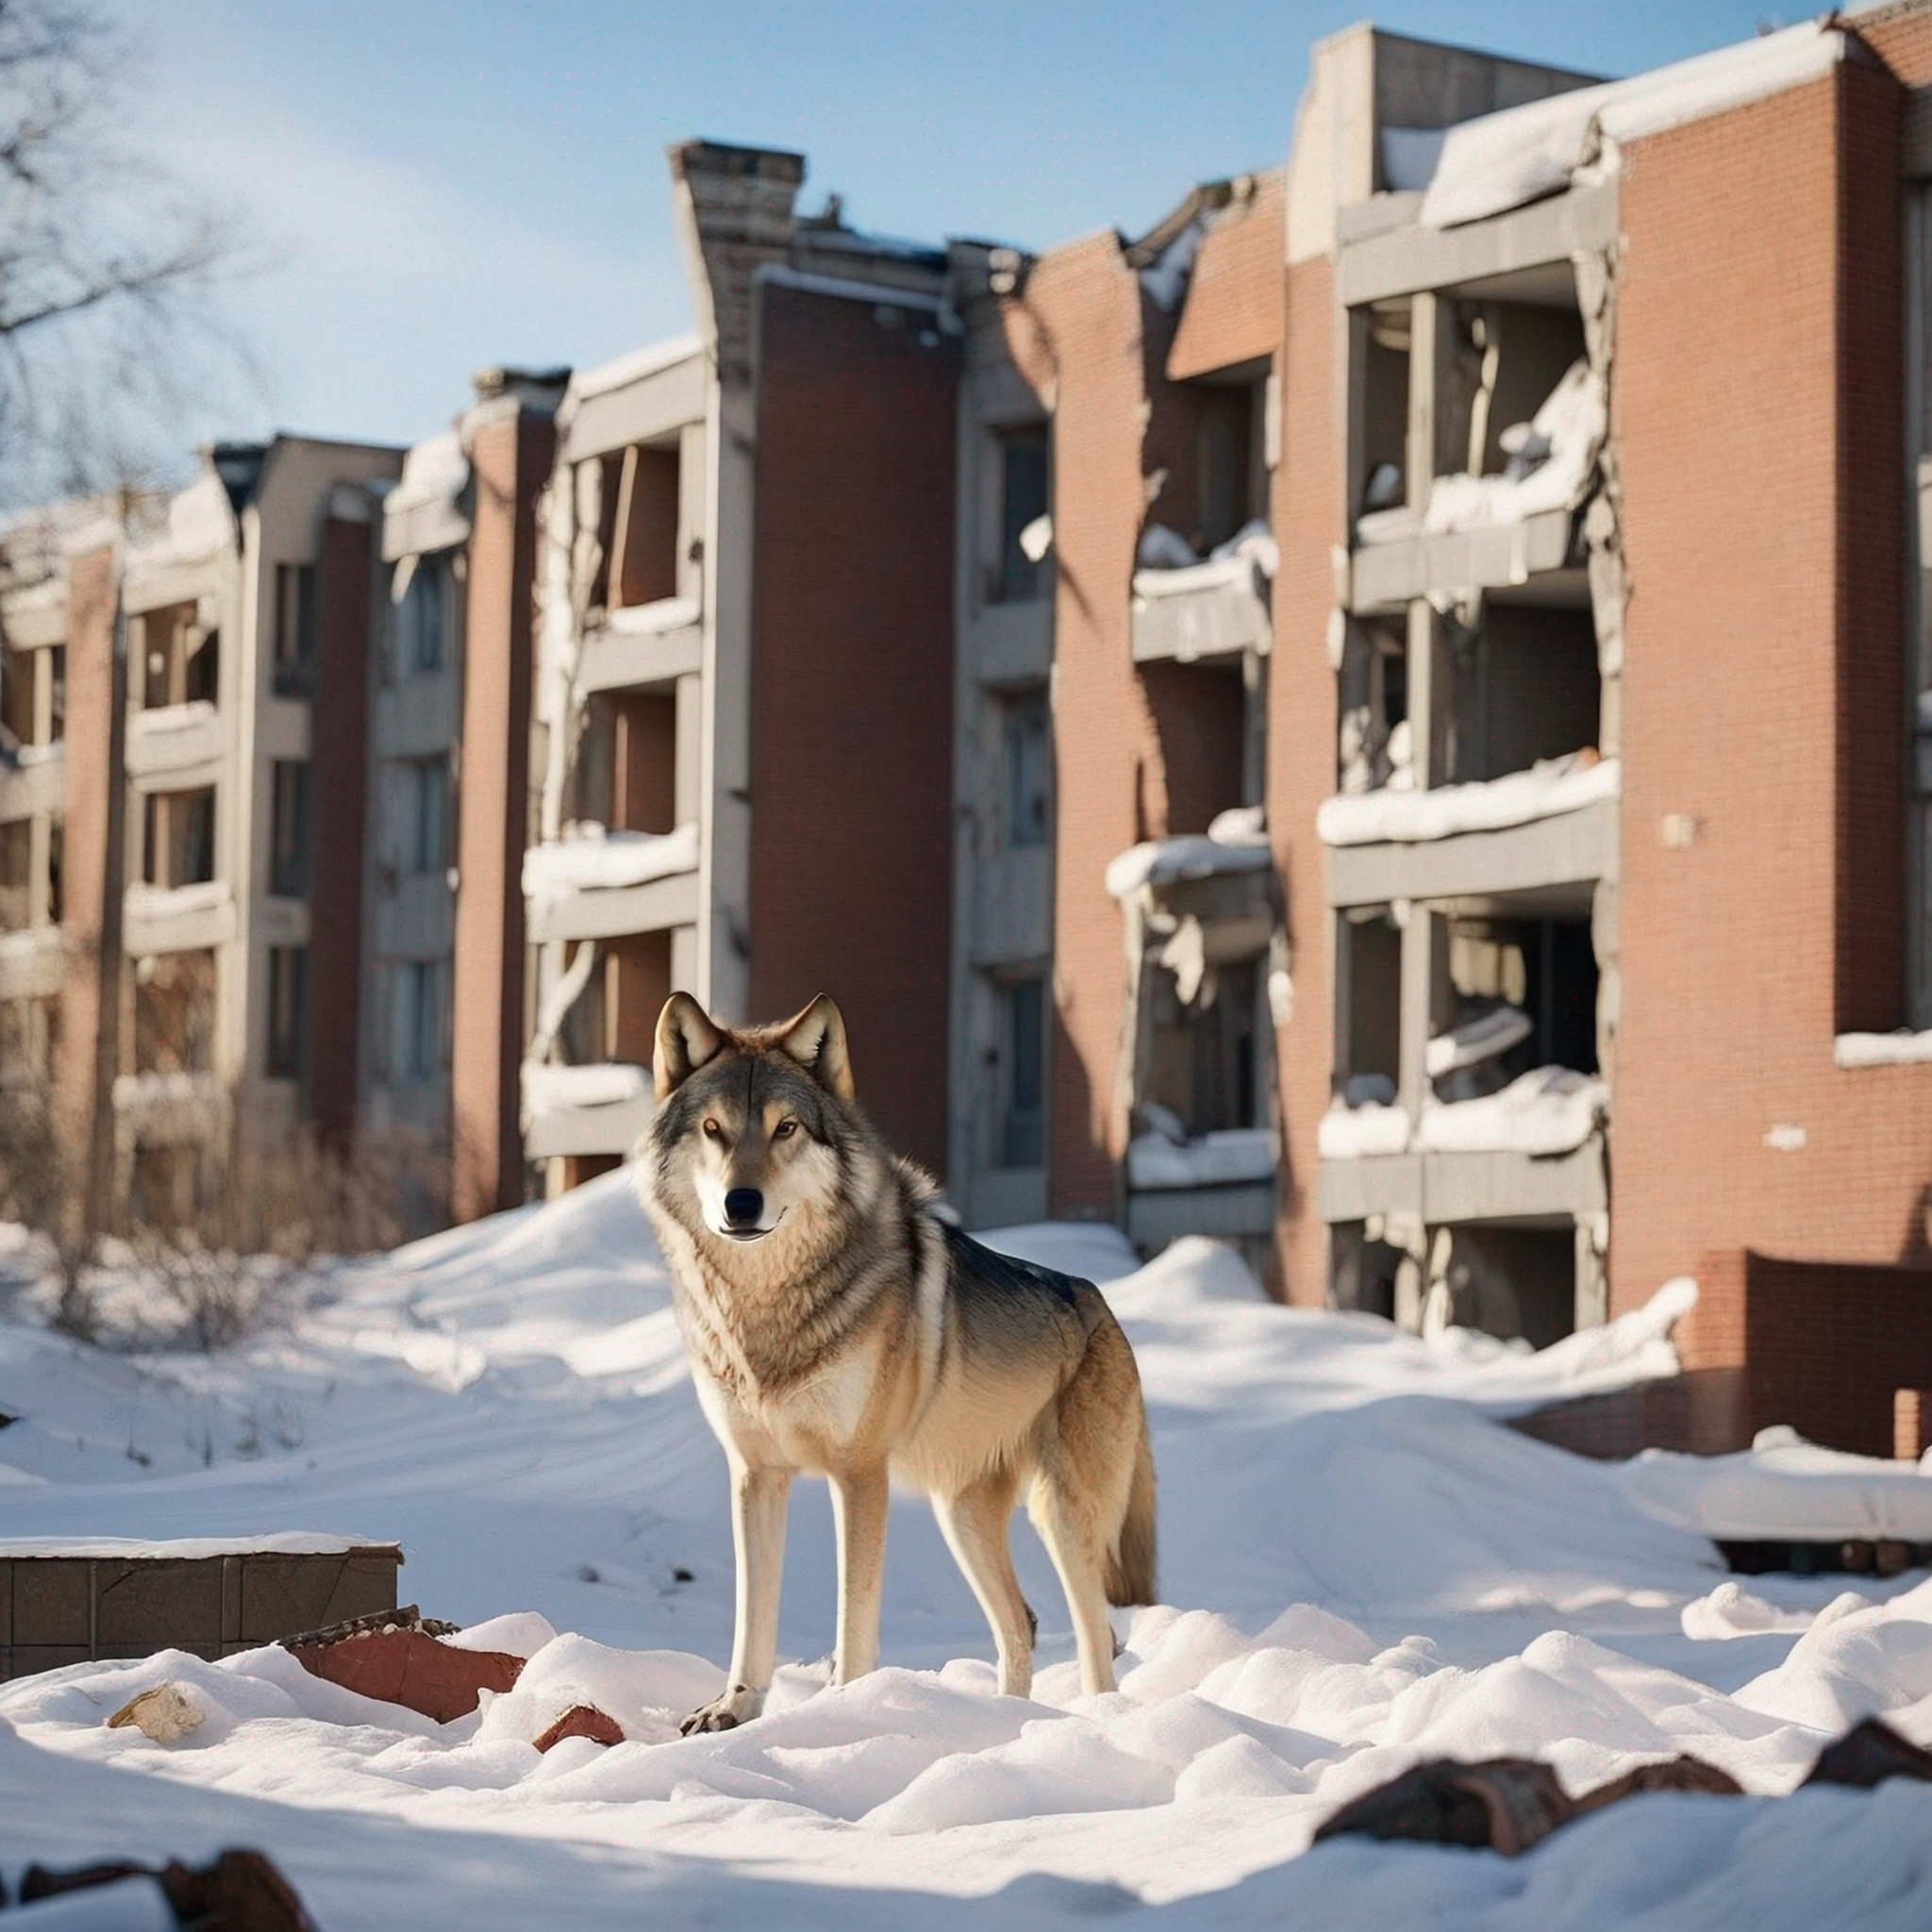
1503 1804
398 1657
238 1891
1236 843
1502 160
1548 1111
165 1715
592 858
1222 1159
1869 1754
1555 457
1475 1040
1549 787
582 1721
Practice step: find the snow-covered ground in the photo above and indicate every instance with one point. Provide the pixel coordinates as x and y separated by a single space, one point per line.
1360 1569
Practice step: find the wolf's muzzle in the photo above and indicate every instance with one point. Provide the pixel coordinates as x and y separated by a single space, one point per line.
744 1209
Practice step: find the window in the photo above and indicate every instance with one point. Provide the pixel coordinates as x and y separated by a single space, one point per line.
426 838
418 1021
1023 1126
1024 498
174 1013
16 871
178 838
419 622
288 1011
178 660
56 672
289 837
294 673
16 697
1026 750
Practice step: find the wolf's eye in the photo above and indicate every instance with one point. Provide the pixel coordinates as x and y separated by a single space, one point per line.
784 1130
713 1131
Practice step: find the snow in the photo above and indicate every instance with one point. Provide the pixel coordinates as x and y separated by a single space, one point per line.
435 471
1477 1039
653 619
154 720
549 1089
1360 1569
1560 454
189 1549
634 365
167 902
1901 1049
1225 1156
1521 154
1164 279
595 858
199 523
1549 1110
1236 842
1549 787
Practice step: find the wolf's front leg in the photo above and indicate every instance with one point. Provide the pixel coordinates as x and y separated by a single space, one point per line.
859 1500
757 1530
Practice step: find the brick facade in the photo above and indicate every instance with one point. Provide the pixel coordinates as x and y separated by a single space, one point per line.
511 459
851 689
1756 406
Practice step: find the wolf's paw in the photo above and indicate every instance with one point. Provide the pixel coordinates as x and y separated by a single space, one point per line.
737 1705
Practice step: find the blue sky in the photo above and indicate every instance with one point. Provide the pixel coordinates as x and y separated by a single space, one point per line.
436 187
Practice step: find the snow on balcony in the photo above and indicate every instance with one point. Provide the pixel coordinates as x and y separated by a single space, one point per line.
1236 842
1228 1158
1550 787
595 859
1549 1110
554 1090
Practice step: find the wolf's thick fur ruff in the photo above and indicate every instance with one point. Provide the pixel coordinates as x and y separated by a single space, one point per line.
837 1326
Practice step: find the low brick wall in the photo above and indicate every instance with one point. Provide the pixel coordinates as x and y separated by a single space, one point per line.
59 1609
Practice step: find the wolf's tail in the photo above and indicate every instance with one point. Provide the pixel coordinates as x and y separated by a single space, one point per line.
1130 1563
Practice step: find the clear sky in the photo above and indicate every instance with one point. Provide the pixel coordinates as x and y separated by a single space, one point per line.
436 187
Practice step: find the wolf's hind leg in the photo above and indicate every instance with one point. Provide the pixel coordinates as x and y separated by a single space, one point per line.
758 1497
1075 1540
975 1524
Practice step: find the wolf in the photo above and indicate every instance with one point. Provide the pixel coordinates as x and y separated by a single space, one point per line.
837 1325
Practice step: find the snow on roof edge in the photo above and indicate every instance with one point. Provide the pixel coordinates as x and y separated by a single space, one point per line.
1502 160
634 364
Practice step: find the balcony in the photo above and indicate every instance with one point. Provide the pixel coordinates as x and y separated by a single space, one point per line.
36 784
641 646
600 1108
606 884
1534 1152
178 918
168 1110
1220 1184
1214 610
178 746
1555 825
1492 532
33 962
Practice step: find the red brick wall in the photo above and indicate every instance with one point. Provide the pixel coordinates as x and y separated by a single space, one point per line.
339 777
1903 41
1308 522
852 693
512 459
1822 1346
1233 312
1755 402
84 834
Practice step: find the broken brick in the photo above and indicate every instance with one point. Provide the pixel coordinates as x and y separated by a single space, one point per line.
412 1668
583 1721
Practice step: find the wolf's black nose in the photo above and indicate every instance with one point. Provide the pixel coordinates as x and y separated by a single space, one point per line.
743 1206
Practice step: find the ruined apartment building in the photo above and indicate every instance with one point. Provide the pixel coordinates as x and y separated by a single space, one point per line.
1487 657
743 738
164 812
443 955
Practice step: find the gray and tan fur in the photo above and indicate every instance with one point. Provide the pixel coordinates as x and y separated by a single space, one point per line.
837 1327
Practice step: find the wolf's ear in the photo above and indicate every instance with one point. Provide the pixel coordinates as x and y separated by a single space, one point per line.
816 1040
686 1040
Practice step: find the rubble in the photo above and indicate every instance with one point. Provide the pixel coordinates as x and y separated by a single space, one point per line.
396 1657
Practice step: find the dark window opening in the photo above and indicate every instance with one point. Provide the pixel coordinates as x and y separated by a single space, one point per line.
1024 495
1023 1138
1026 746
294 664
178 838
290 842
174 1013
288 1011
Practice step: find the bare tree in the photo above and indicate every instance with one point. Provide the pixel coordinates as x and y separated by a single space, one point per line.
107 264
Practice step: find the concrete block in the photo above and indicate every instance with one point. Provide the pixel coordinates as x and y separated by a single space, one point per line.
284 1595
139 1608
366 1582
51 1603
